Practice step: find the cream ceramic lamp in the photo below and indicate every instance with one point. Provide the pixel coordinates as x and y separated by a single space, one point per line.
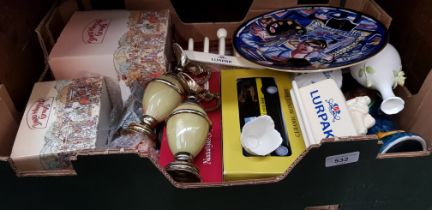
187 130
161 96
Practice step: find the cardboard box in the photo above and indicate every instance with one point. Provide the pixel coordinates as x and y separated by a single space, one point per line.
61 118
399 181
125 46
237 164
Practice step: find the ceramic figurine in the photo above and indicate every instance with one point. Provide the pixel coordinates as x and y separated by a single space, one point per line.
383 72
359 110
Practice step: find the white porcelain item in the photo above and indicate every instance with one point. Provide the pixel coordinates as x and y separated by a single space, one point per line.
259 136
359 110
383 72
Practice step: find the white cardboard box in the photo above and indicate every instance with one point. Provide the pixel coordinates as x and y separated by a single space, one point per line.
61 118
125 46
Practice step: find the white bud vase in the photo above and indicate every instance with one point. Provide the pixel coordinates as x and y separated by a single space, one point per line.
383 72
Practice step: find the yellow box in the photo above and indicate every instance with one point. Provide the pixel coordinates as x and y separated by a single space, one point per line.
236 164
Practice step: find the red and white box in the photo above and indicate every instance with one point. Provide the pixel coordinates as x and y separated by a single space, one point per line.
123 45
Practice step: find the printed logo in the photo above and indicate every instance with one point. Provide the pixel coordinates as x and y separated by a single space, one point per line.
321 114
207 148
221 59
334 109
95 31
39 112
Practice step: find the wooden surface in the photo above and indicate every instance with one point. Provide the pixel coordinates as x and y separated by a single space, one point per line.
21 59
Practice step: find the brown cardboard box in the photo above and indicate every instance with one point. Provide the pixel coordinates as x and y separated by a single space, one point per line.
49 28
183 31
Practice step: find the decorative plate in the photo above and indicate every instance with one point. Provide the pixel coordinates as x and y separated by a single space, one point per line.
310 39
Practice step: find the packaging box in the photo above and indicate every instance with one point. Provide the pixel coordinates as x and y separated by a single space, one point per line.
322 110
237 164
122 45
61 118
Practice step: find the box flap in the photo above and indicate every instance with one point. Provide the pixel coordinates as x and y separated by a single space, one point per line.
417 117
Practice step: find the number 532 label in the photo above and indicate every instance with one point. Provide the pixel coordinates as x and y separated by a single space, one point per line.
342 159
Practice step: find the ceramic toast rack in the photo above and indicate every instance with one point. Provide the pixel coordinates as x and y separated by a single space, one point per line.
202 60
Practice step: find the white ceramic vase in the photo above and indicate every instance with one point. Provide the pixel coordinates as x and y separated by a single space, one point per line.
383 72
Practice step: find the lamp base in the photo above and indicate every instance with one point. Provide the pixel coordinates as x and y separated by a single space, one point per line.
142 128
182 169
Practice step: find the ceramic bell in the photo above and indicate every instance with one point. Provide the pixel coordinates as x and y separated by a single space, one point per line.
383 72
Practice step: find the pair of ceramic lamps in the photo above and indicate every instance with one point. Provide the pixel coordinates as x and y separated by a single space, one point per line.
186 121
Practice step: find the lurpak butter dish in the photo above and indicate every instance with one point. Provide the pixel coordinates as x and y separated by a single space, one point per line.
322 111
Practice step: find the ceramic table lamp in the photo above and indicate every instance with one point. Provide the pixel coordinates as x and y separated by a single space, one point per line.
383 72
161 96
165 93
187 130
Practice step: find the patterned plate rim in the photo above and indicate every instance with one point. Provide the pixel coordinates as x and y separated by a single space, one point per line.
300 69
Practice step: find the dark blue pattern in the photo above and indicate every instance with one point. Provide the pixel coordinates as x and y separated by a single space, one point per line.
310 38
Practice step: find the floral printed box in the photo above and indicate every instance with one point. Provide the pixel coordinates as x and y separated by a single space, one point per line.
61 118
125 46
